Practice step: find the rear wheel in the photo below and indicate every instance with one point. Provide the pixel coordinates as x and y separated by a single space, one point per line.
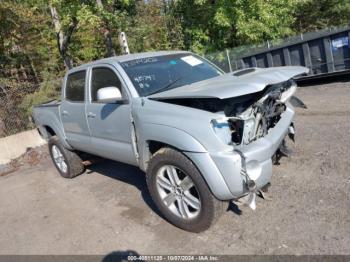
68 163
180 192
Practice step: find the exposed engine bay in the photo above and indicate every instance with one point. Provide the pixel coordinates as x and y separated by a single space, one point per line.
248 117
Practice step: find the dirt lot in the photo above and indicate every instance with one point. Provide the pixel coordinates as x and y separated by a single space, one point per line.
108 208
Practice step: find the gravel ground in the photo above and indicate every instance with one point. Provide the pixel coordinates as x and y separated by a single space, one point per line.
108 208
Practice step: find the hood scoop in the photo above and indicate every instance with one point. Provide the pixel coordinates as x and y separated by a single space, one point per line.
244 71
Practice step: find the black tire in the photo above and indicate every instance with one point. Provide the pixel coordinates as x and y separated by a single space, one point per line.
74 163
211 208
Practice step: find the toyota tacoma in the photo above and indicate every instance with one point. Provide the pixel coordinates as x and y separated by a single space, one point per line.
203 137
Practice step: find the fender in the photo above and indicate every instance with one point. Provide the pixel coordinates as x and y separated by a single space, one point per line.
191 148
165 134
50 119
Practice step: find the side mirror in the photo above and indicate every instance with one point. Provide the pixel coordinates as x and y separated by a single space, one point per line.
109 94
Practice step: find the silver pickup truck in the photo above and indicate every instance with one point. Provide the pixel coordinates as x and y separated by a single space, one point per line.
202 136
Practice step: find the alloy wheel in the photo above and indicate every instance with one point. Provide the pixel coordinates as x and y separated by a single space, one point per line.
59 159
178 192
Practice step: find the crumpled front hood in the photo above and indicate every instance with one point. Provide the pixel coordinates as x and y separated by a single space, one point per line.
229 85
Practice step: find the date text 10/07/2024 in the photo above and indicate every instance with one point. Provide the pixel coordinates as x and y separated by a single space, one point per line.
173 258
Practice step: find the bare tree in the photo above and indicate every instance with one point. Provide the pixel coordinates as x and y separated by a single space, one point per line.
63 38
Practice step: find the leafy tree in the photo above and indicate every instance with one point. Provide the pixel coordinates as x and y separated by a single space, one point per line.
154 27
214 25
106 30
311 15
25 41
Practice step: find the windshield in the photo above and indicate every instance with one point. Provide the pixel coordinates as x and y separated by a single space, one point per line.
156 74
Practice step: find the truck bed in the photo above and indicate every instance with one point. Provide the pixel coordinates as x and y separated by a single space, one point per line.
47 114
50 103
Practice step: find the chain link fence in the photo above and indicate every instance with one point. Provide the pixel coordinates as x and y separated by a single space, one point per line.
17 97
13 117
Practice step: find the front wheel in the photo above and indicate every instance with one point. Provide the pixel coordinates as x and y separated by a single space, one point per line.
180 192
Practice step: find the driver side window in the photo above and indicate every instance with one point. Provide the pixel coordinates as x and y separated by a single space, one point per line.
103 77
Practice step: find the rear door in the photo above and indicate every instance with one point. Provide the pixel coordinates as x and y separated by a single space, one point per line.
72 111
110 123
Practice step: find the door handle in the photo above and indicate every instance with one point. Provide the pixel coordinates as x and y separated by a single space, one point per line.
65 113
91 115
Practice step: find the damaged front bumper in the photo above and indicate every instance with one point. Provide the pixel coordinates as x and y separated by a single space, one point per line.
260 152
253 162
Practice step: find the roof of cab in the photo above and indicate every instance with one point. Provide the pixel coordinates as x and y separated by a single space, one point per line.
124 58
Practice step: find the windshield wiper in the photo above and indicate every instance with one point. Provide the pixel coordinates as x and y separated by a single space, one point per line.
166 87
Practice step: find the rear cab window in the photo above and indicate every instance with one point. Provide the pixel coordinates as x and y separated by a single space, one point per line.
75 86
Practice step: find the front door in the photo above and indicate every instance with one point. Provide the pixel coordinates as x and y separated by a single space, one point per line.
110 123
72 111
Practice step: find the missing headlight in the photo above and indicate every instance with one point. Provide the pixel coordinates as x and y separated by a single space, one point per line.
236 127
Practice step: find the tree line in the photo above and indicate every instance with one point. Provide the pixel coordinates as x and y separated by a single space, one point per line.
40 39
